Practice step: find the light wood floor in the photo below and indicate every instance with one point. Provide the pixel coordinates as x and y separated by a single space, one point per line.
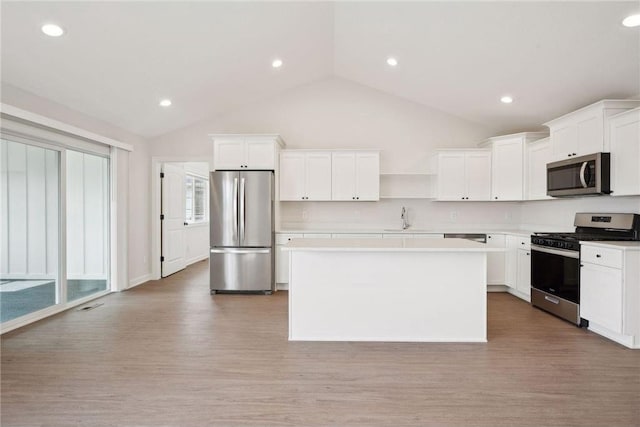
168 354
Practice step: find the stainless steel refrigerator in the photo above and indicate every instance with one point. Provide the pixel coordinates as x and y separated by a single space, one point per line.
241 231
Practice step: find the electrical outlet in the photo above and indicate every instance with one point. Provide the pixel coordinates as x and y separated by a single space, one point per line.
304 214
453 215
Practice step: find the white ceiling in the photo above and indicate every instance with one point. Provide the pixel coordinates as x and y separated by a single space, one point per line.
118 59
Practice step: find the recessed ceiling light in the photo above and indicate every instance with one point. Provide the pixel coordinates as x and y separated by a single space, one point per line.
631 21
506 99
52 30
277 63
392 61
165 103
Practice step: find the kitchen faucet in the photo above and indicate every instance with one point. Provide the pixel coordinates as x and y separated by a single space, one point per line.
405 219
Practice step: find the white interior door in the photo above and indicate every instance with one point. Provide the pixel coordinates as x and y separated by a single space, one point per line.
173 219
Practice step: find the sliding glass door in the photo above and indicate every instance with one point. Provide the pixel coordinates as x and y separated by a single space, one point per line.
87 224
29 212
54 227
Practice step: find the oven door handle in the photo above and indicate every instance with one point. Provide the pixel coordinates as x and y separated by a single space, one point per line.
560 252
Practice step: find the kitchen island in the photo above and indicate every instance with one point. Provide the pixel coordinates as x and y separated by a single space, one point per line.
429 290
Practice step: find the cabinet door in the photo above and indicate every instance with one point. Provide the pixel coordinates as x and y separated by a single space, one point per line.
625 152
282 256
495 260
292 175
260 153
343 176
523 281
564 142
367 176
318 176
451 176
507 170
478 175
282 264
601 296
538 155
228 154
511 261
590 134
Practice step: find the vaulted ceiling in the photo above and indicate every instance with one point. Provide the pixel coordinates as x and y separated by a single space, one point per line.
118 59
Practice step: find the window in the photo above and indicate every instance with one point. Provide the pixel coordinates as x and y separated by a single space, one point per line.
196 199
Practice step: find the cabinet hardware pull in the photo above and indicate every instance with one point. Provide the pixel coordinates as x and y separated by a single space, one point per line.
597 255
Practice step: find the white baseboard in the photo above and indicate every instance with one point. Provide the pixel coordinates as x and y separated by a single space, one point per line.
282 286
198 258
139 280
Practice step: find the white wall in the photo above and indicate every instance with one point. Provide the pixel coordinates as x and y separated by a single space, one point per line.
336 113
558 214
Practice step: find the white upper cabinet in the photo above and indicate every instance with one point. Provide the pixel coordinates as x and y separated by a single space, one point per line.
305 175
245 152
538 154
624 139
584 131
508 169
355 175
463 175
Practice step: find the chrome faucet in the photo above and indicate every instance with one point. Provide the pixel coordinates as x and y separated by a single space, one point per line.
405 219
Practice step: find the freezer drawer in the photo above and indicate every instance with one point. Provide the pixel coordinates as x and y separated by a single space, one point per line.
241 270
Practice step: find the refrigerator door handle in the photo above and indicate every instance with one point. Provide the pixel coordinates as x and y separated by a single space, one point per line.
240 251
242 216
235 207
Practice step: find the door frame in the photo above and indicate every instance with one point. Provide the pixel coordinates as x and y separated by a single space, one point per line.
156 208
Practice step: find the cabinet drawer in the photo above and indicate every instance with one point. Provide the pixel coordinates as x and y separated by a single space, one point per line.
601 256
317 235
357 236
518 242
283 239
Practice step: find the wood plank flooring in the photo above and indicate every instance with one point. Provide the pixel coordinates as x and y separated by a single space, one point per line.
168 354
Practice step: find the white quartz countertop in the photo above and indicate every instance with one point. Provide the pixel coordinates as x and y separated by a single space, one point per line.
628 246
411 231
390 245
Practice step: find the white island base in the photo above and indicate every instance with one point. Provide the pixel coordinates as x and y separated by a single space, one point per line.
428 290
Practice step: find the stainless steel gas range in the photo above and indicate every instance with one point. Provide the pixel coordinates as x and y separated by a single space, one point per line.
555 260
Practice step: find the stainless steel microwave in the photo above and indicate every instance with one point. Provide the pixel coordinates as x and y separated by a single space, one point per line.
579 176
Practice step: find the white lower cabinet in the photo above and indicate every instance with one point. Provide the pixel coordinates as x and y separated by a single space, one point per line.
518 266
610 291
601 296
282 256
495 260
523 281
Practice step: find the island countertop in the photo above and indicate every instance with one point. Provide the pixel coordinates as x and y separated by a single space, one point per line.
389 245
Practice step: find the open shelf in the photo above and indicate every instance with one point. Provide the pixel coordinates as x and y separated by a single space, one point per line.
405 186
